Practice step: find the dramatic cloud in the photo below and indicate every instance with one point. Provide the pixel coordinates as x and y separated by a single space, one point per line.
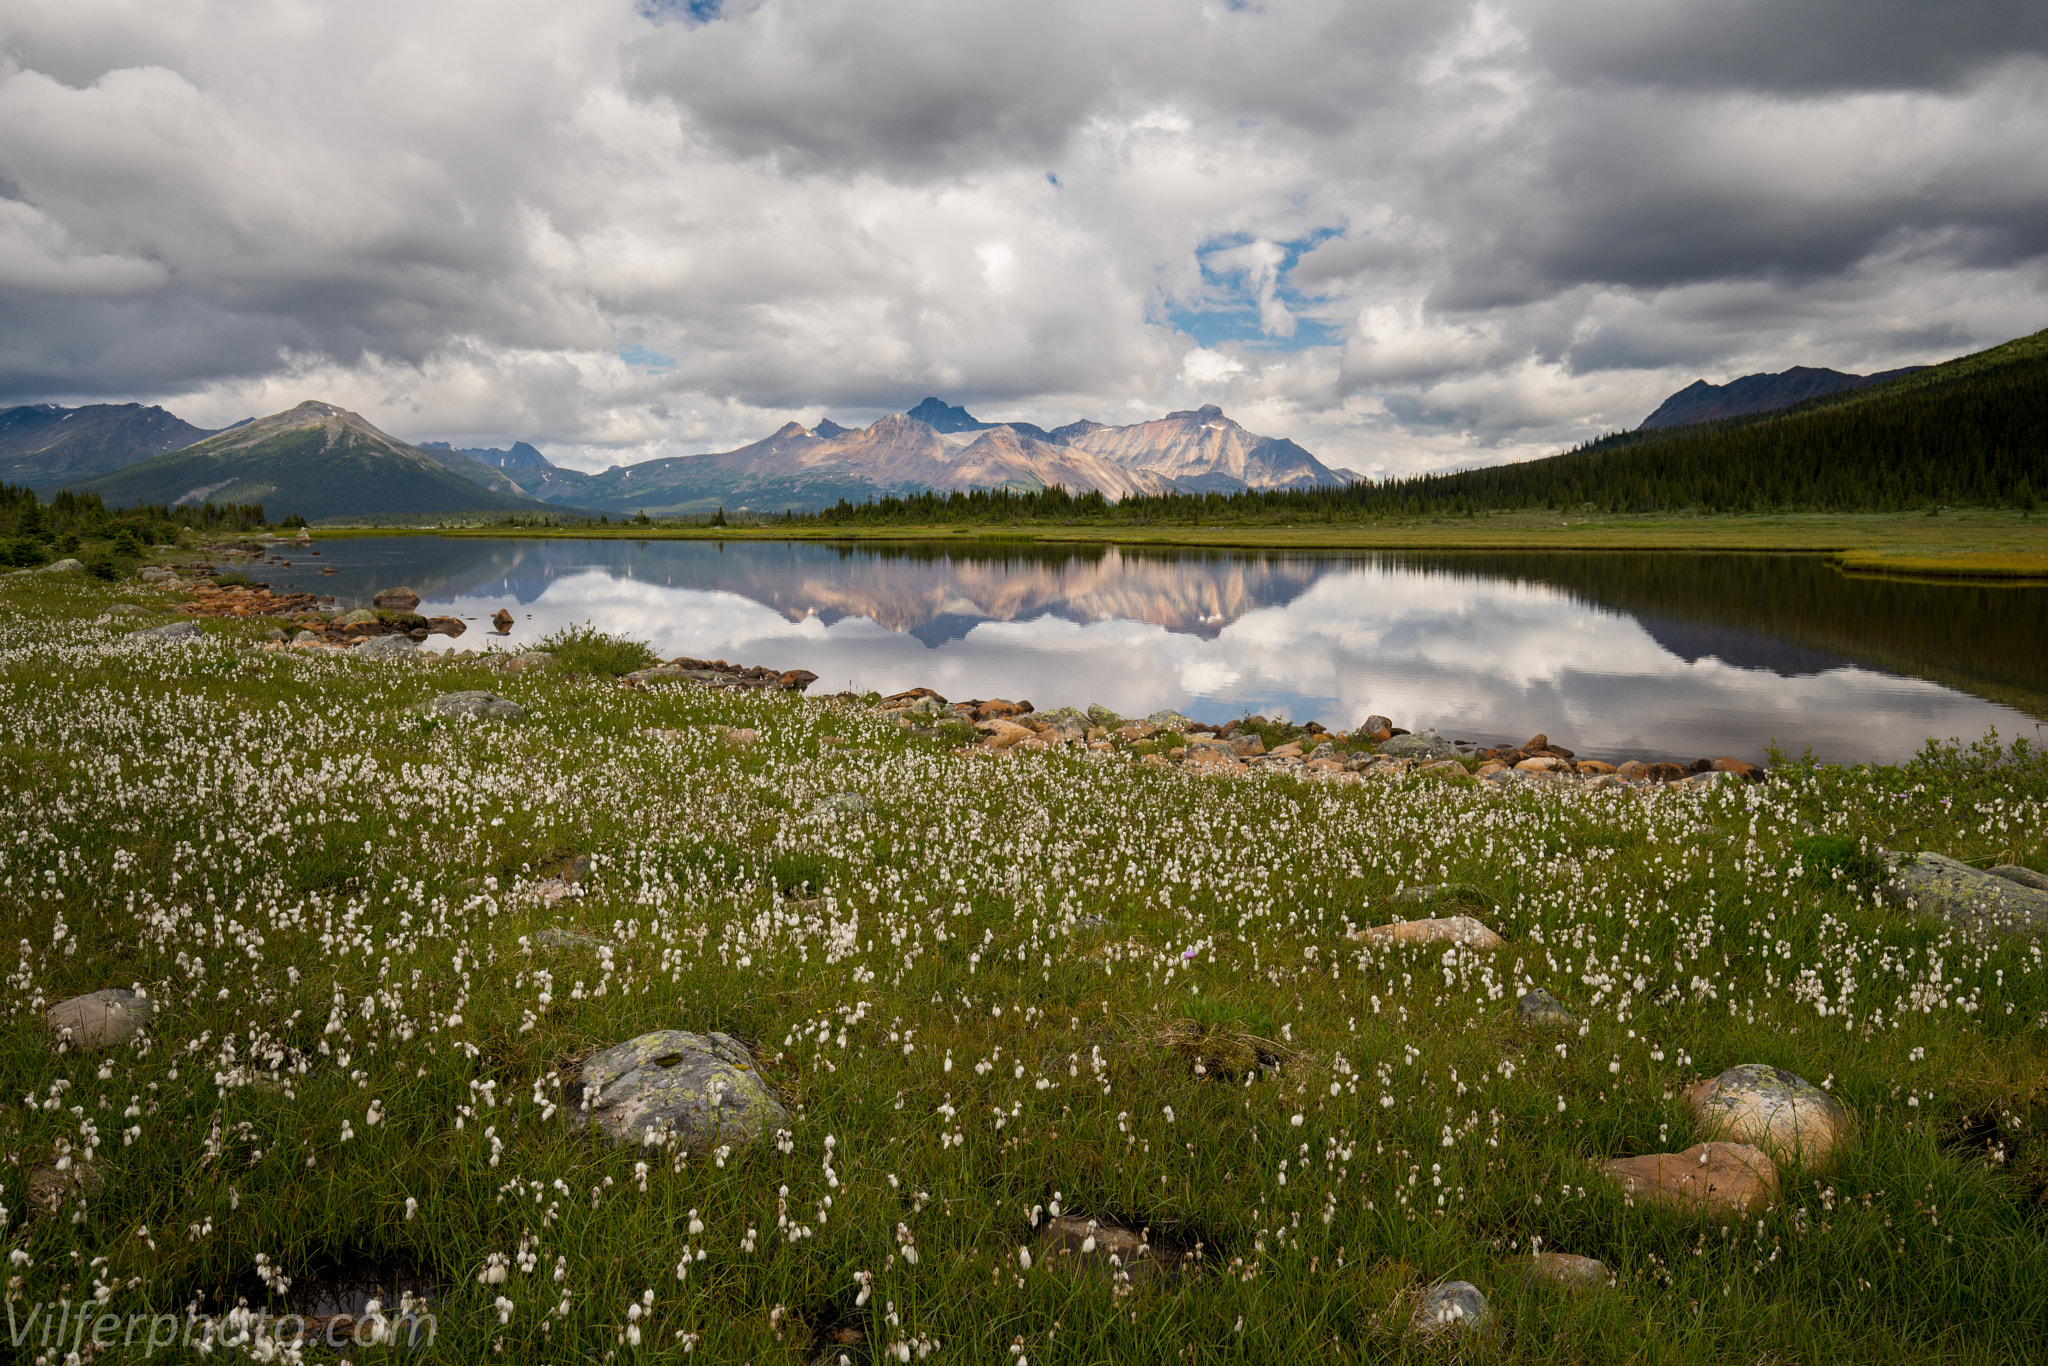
1407 236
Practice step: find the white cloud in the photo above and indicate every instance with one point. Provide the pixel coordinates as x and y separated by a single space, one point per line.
1517 224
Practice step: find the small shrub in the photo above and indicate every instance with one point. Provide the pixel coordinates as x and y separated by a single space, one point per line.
102 566
1828 858
233 580
585 649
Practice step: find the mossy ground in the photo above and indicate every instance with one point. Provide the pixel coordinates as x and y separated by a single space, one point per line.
977 1001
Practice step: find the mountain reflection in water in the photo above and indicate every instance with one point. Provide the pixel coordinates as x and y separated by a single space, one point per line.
1652 655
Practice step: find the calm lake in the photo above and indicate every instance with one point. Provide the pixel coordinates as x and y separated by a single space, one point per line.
1612 654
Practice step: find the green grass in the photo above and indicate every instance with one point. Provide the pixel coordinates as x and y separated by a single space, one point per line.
316 888
585 649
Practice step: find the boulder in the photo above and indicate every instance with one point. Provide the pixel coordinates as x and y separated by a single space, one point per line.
1741 768
1166 718
1426 744
502 620
1001 734
306 638
1706 1176
1539 1007
396 599
2026 877
475 703
1325 750
388 647
1769 1108
177 630
1633 770
156 573
1544 763
1103 716
700 1089
447 626
131 609
1136 731
555 937
1961 894
1594 768
999 709
842 804
99 1019
1456 929
1563 1268
1453 1307
1213 758
361 616
66 566
1372 724
1072 1240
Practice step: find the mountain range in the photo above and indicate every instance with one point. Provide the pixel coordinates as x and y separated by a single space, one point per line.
315 460
42 444
320 461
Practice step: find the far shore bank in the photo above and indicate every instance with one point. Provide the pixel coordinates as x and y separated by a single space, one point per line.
1976 544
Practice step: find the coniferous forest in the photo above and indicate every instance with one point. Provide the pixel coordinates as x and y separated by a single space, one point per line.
1972 432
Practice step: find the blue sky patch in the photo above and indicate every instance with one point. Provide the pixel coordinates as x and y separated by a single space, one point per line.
651 362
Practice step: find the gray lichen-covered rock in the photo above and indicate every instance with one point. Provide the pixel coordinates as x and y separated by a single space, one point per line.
1964 895
1166 718
1784 1114
1103 716
99 1019
388 647
1424 744
1539 1007
2026 877
700 1089
1565 1269
63 567
842 804
177 630
475 702
1454 1306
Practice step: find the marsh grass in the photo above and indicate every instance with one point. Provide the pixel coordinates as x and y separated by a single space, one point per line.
983 994
585 649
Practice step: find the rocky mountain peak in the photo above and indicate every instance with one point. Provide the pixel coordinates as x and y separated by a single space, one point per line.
941 416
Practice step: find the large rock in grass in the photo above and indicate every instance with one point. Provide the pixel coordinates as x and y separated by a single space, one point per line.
1083 1243
1455 929
1563 1268
99 1019
1707 1176
176 631
475 703
1453 1307
1539 1007
1964 895
698 1090
1772 1109
397 599
388 647
1424 744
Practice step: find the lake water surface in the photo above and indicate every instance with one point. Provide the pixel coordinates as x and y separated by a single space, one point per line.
1651 655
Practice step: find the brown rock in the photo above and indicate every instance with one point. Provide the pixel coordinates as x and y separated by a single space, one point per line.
396 599
1250 746
1665 773
446 626
1324 766
1543 763
997 708
1593 766
1454 929
1741 768
1136 731
1214 759
1537 741
1374 723
502 619
1000 734
1290 750
1632 770
1709 1176
911 695
795 680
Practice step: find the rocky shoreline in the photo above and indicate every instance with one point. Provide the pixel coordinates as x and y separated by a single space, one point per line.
1258 744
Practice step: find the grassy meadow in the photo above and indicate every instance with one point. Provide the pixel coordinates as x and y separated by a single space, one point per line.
983 998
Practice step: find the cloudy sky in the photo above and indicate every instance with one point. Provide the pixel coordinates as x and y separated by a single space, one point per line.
1408 235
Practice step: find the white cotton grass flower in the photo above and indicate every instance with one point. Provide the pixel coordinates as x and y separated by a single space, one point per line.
1023 1259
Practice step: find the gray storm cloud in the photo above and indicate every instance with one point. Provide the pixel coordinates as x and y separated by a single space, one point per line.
1407 236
